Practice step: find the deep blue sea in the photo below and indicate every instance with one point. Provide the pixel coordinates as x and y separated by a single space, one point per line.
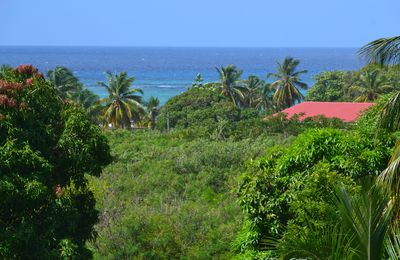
165 72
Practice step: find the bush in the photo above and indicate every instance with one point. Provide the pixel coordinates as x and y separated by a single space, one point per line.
288 183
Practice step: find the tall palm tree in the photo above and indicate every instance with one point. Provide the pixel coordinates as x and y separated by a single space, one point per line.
152 110
63 80
371 84
230 83
123 102
287 81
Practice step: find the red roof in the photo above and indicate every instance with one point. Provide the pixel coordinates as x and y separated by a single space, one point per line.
346 111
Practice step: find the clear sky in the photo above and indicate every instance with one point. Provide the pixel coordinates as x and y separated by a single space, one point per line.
269 23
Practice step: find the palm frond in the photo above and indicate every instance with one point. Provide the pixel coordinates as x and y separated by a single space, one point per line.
368 217
389 116
382 51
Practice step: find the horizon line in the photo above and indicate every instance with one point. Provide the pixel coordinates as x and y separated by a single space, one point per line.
159 46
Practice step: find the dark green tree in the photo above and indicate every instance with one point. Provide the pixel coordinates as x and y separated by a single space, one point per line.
47 146
331 86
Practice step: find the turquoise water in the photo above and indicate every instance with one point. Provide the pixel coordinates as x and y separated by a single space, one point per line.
165 72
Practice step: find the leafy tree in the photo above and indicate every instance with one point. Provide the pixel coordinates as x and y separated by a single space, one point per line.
287 81
207 113
370 85
123 103
230 83
331 86
63 80
46 148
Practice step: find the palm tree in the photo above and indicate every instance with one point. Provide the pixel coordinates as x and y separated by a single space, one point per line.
371 84
265 98
230 83
152 110
252 91
287 81
63 80
123 102
382 51
82 96
87 99
386 51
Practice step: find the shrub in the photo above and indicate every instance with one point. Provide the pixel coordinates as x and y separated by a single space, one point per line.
281 187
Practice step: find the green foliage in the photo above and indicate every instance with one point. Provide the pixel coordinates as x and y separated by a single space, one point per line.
205 112
363 85
279 123
46 148
362 227
370 85
330 86
280 190
169 196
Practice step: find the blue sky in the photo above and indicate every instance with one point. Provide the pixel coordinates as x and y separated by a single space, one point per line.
253 23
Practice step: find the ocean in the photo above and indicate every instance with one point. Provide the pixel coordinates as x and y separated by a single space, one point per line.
167 71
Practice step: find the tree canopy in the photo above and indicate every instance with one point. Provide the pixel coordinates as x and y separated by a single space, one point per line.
46 148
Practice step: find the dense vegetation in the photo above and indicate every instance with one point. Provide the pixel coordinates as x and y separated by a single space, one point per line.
292 188
169 196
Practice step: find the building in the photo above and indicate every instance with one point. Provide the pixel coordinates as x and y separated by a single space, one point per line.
346 111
